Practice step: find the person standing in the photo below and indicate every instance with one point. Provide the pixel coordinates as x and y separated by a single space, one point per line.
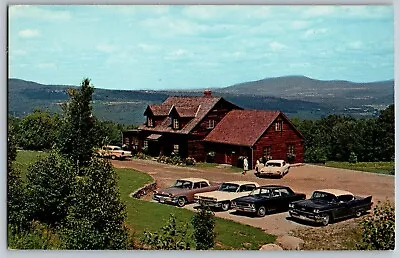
245 166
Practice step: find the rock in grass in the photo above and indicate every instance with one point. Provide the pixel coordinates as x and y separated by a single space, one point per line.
290 242
271 247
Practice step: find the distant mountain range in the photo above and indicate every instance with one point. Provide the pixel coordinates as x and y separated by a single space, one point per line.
294 95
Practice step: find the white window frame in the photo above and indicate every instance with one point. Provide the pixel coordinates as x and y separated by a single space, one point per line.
175 123
279 126
211 123
150 122
176 148
145 144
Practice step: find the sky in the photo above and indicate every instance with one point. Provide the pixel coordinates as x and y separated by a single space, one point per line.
192 47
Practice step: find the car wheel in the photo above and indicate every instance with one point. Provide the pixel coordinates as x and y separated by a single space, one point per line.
261 211
113 157
358 213
225 206
181 202
325 219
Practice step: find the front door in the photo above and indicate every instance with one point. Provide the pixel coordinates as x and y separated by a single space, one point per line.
228 157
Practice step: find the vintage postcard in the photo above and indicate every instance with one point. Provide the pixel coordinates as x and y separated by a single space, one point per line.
201 127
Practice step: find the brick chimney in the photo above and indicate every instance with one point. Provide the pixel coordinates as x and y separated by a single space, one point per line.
207 93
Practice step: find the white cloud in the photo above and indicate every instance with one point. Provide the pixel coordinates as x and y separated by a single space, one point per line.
107 48
36 12
28 33
276 46
179 54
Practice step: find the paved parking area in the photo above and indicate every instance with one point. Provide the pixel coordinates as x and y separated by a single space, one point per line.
303 179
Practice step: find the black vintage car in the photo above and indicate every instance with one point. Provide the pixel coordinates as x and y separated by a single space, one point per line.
265 199
328 205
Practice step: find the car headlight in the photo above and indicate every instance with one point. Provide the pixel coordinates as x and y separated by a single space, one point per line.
252 205
233 204
291 205
316 211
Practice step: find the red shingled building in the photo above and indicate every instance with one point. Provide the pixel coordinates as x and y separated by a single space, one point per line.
195 126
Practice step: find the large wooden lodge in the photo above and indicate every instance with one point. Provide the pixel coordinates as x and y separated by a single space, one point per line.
196 126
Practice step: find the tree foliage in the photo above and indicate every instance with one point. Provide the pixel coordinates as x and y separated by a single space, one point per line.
96 217
171 237
77 137
378 229
341 138
38 130
204 223
16 195
50 188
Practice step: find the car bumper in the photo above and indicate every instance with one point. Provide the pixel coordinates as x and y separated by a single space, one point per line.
165 199
245 209
306 216
209 203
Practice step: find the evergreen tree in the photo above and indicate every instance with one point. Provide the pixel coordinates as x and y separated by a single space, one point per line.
96 217
50 188
204 224
77 138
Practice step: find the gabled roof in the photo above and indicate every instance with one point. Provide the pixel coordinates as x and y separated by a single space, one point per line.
157 110
196 107
242 127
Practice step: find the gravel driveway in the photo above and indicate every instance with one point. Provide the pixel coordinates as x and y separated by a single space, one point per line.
303 179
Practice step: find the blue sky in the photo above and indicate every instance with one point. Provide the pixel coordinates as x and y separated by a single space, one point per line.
184 47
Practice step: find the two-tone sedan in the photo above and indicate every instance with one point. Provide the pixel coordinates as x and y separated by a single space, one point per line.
266 199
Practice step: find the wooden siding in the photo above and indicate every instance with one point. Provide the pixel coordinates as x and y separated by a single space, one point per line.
279 141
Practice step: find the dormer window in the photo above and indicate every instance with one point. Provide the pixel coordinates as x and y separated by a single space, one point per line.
278 125
211 124
175 123
150 122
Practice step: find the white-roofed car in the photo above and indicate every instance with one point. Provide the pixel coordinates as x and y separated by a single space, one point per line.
227 192
274 168
113 152
183 191
328 205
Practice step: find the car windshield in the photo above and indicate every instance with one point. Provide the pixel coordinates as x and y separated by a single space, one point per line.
323 196
262 191
273 164
117 148
183 184
225 187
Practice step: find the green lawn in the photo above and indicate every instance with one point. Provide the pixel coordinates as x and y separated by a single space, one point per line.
143 215
26 158
374 167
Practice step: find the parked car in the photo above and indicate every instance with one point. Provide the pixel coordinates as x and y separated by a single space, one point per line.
182 192
228 191
113 152
274 168
328 205
266 199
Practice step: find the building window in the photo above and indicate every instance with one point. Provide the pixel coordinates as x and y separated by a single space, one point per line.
211 124
135 143
278 125
268 152
290 149
126 141
150 122
176 148
145 144
175 123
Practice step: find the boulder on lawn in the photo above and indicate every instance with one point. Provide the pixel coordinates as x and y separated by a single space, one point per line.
290 242
271 247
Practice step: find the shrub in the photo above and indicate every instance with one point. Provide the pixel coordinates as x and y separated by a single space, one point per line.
39 236
204 223
171 237
378 228
141 155
210 157
315 155
352 157
190 161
